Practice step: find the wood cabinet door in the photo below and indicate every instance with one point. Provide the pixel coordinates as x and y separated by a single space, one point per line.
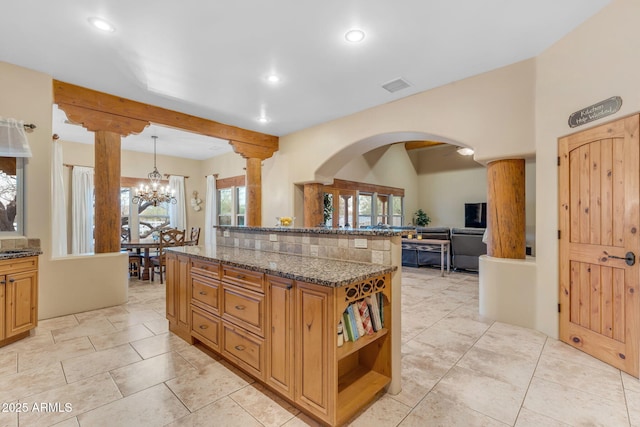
21 302
599 227
280 305
3 287
183 293
172 285
316 338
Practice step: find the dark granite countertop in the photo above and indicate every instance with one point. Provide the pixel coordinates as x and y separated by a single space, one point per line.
19 253
320 271
318 230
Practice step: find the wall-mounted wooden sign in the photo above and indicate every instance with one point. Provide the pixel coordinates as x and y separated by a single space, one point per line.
595 111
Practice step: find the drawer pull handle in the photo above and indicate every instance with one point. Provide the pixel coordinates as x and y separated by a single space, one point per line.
11 280
240 307
241 276
203 326
203 293
239 347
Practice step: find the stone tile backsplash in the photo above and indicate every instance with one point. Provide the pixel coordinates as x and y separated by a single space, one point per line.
19 243
331 246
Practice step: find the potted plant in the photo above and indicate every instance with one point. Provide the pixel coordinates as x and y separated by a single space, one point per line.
421 218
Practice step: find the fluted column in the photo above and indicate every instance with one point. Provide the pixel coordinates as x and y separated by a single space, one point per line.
506 218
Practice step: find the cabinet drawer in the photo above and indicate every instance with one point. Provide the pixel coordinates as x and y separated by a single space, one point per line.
205 268
17 265
244 308
206 328
243 348
247 279
205 293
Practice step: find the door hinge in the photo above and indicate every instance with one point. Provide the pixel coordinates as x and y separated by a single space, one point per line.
559 305
558 160
559 233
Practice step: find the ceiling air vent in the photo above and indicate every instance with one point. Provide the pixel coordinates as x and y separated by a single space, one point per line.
396 85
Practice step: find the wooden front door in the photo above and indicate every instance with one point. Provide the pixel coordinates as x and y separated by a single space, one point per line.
599 178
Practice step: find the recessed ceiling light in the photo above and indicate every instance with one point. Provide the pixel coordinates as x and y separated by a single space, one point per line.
272 78
465 151
263 119
354 36
101 24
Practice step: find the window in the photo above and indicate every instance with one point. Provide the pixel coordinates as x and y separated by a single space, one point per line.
382 209
11 195
225 206
373 204
365 209
232 206
397 211
143 217
328 210
241 205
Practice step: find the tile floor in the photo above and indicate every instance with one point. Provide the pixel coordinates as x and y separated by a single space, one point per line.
118 366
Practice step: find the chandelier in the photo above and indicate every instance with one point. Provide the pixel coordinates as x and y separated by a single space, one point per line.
155 193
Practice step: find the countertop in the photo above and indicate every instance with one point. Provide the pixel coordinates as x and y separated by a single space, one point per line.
320 271
19 253
318 230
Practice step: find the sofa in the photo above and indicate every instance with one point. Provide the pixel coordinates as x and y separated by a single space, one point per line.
465 249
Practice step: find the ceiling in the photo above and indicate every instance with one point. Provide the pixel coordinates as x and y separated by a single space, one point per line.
211 58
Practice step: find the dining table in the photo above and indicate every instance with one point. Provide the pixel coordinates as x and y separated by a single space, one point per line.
143 246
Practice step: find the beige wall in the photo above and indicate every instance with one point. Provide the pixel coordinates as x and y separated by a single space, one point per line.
447 181
226 165
596 61
66 285
492 113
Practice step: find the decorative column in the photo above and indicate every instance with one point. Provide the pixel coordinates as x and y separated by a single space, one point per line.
506 219
253 216
108 129
107 191
313 204
254 155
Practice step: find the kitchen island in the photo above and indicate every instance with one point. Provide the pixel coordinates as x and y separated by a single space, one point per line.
275 315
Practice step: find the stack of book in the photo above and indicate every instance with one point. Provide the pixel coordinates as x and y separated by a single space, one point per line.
363 317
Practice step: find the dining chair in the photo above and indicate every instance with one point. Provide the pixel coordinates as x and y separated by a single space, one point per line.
135 259
194 236
169 237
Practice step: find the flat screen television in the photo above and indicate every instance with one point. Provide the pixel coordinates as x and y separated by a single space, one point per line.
475 215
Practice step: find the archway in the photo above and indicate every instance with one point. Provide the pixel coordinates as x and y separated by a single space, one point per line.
397 174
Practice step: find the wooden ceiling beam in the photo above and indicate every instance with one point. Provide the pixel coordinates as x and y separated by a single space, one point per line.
66 94
414 145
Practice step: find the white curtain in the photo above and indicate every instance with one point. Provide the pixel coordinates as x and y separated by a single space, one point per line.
178 212
82 210
13 139
210 211
58 204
